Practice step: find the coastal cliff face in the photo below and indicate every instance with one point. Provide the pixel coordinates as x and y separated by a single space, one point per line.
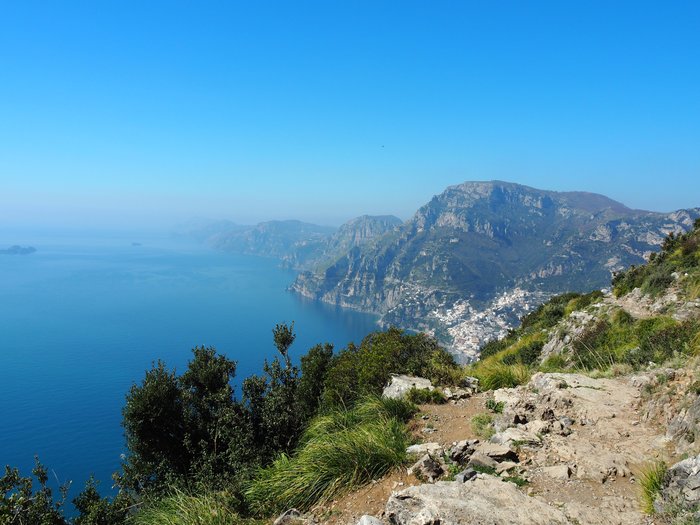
479 255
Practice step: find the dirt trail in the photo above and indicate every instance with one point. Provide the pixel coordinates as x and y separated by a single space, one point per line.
590 441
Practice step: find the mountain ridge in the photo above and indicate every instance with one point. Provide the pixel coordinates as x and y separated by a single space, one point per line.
489 246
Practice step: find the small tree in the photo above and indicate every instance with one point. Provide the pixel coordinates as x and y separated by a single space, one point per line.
284 336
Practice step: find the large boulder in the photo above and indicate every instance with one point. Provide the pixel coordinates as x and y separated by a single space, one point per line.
485 500
400 385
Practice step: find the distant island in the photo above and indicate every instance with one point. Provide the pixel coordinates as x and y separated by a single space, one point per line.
18 250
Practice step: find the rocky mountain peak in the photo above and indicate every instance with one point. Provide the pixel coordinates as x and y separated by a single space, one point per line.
494 247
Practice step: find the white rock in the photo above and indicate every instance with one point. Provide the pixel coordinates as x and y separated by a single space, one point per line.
425 448
369 520
400 385
484 500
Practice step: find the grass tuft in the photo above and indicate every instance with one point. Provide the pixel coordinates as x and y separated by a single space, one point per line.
183 509
339 451
424 396
651 481
493 374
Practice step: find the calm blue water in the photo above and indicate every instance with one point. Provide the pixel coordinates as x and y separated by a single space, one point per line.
82 319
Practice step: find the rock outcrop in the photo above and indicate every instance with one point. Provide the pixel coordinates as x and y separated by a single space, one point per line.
482 499
680 494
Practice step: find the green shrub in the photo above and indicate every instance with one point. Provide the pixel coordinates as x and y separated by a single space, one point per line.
661 338
495 406
30 499
482 425
651 481
603 344
530 353
548 314
339 451
583 301
657 281
424 396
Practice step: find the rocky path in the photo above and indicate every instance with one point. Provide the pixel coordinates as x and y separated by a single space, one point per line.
570 446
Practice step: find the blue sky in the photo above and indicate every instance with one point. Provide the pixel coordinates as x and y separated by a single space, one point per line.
128 113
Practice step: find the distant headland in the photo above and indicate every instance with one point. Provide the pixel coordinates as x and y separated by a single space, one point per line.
18 250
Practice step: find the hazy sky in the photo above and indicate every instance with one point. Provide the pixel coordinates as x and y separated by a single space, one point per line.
123 113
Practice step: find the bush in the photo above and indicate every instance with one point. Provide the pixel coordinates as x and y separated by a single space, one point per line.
339 451
583 301
424 396
22 501
548 314
657 281
660 339
620 317
495 406
603 344
360 371
651 481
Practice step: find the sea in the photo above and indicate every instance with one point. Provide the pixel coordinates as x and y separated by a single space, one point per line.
83 318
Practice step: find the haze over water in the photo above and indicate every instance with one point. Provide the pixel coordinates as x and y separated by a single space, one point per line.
82 319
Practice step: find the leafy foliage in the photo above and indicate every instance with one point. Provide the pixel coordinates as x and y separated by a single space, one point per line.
363 370
22 502
178 429
495 406
95 510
